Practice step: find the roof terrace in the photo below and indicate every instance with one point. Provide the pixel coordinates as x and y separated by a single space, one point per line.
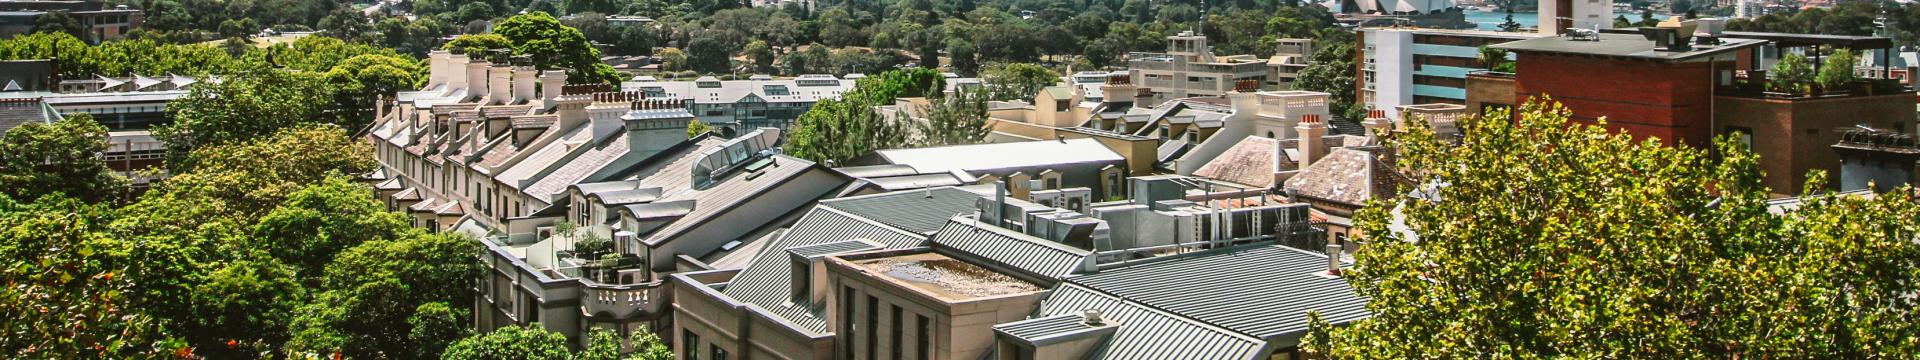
944 277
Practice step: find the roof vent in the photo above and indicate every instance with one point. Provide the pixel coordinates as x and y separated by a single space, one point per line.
1092 317
1333 259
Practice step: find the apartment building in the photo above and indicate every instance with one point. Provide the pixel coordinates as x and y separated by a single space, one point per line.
101 23
1189 69
738 106
1685 83
1290 56
900 275
1409 66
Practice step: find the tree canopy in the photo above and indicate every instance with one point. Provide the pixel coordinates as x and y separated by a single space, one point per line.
1546 238
39 159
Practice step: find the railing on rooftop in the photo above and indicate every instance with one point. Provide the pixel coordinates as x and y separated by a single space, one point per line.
1759 87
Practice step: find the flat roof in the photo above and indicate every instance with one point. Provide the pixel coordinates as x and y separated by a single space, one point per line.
1002 155
1796 40
945 277
1624 45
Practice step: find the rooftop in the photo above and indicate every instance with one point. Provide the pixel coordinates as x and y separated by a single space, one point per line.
944 277
1002 155
1624 45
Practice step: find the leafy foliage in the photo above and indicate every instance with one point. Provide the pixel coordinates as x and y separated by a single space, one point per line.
1017 81
1546 238
238 110
556 46
511 343
67 292
39 159
1837 69
957 119
1791 74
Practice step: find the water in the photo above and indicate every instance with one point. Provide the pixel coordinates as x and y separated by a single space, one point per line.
1492 20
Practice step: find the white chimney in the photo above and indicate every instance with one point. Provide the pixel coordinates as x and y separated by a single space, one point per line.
551 82
477 78
1311 145
500 84
456 73
1378 126
436 68
524 83
1333 259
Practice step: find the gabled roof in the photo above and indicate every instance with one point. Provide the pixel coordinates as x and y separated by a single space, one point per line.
1253 161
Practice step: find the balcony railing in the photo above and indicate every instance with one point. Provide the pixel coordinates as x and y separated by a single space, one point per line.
1759 88
623 300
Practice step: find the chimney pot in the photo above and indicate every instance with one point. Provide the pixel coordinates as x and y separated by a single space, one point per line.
1333 259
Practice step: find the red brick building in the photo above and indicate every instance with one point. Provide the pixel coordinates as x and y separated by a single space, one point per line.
1691 93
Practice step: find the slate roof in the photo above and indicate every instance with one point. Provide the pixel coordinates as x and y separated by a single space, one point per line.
1347 176
1022 252
16 112
579 167
544 156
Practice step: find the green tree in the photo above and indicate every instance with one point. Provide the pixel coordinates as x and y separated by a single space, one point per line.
708 55
957 119
696 127
477 44
1836 71
1491 57
435 326
960 57
761 55
1331 71
1018 80
672 59
62 157
319 221
241 109
1509 25
375 288
1793 73
511 343
242 308
1548 238
841 129
59 21
556 46
361 80
68 292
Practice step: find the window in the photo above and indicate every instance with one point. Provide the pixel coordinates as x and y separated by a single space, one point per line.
690 345
893 333
873 323
923 335
718 353
846 321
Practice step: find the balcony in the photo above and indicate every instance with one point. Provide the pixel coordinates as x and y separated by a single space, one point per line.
1756 86
624 301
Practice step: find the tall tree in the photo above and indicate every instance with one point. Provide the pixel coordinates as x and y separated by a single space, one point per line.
39 159
1543 237
1018 80
241 109
59 21
67 292
511 343
957 119
556 46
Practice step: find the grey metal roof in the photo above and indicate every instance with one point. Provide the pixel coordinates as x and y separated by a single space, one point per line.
1036 256
1263 291
877 170
1148 334
919 211
1623 45
626 196
1048 329
986 157
659 210
837 247
910 182
767 282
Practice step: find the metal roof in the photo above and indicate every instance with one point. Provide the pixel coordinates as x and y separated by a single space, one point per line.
1050 329
837 247
767 282
1145 333
1036 256
1264 291
983 157
918 211
1623 45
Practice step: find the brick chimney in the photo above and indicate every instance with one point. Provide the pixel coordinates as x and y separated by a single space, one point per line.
1312 146
1379 127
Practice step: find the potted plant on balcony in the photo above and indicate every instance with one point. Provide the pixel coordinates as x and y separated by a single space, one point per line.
1836 73
1792 75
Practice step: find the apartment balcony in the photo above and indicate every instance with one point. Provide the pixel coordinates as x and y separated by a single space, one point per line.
1758 87
624 301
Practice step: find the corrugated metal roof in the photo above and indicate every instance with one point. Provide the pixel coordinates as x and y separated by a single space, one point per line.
1034 255
767 281
984 157
922 211
1045 327
836 247
1148 334
1262 291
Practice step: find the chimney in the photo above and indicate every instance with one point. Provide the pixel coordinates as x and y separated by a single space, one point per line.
500 84
1333 259
456 72
477 78
1310 142
524 82
1378 126
1092 317
653 126
436 68
551 84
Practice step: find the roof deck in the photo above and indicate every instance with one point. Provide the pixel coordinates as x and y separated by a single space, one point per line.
945 277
